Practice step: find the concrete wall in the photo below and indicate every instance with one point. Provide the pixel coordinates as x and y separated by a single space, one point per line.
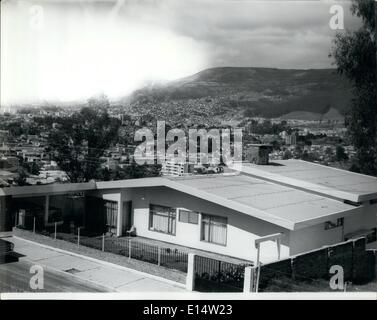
313 237
242 230
366 220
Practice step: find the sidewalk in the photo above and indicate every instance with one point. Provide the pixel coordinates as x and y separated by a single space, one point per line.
114 278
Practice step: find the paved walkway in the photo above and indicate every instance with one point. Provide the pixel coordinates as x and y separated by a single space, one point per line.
113 278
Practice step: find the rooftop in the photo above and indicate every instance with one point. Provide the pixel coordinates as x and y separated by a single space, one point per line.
316 178
277 204
292 194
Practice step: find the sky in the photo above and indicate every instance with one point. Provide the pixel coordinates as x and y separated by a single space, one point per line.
65 50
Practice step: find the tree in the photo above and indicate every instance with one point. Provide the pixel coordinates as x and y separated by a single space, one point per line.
355 57
287 154
340 153
81 140
32 167
21 178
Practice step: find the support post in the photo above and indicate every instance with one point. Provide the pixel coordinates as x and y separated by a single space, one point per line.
119 217
55 231
249 280
15 219
190 278
78 236
47 207
129 248
34 225
159 256
103 242
258 275
278 243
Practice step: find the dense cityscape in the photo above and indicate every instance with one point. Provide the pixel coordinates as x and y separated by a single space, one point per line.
32 146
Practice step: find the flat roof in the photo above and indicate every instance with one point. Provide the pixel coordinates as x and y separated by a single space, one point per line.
36 190
275 203
280 205
316 178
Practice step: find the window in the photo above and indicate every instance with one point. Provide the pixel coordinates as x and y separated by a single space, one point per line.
162 219
111 211
188 216
334 224
214 229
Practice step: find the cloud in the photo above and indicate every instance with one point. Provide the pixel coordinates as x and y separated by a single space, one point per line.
84 47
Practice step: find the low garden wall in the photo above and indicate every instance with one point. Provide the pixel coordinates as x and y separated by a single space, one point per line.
359 264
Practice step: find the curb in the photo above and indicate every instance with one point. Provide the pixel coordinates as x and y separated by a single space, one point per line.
105 263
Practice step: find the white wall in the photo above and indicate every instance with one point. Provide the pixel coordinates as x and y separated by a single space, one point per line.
242 230
313 237
366 220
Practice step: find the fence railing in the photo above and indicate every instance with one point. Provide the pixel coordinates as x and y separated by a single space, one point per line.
130 247
213 275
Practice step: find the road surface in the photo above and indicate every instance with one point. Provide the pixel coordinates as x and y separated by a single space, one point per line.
15 277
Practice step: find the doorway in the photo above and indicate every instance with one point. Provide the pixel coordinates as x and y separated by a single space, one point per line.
127 216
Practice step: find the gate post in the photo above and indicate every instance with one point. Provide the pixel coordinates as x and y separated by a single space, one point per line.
159 256
190 278
249 280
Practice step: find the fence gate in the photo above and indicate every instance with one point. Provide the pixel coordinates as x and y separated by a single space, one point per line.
213 275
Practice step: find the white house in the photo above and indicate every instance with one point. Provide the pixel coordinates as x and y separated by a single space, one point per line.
290 205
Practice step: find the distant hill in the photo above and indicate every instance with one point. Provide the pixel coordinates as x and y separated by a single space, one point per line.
332 114
235 92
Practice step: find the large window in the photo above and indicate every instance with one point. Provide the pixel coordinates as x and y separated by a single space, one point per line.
162 219
111 211
188 216
214 229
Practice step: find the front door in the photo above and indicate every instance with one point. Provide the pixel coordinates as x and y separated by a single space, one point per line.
127 216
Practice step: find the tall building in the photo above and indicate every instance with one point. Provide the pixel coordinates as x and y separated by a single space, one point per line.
171 168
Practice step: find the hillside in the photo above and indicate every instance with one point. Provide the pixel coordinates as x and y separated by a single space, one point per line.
231 92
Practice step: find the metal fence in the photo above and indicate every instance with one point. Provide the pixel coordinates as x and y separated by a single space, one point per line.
213 275
130 247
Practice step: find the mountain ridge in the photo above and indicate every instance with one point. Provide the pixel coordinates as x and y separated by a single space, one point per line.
248 91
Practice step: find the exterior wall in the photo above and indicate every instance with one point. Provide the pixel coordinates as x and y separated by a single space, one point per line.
313 237
316 236
3 214
120 196
242 230
366 220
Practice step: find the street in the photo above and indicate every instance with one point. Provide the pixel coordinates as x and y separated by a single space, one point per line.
15 277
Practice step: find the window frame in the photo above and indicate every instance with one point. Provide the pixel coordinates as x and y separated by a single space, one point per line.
189 213
112 206
172 219
203 220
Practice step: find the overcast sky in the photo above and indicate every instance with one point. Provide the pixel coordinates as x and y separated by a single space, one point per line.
67 50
